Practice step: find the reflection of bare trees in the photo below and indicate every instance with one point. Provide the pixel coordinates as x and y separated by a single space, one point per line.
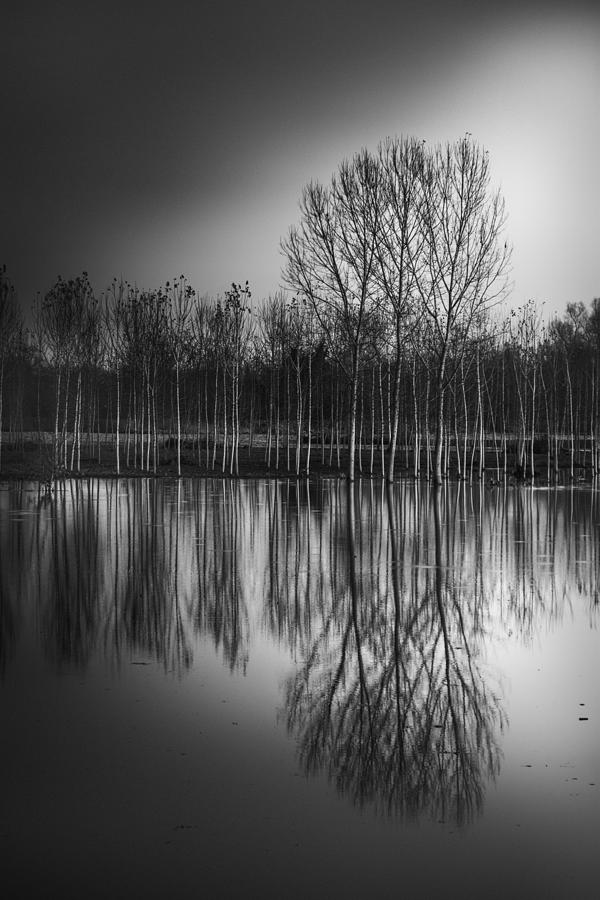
147 596
8 620
74 583
392 698
385 598
221 610
130 568
175 562
391 701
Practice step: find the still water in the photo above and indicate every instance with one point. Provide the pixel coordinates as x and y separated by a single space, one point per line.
280 689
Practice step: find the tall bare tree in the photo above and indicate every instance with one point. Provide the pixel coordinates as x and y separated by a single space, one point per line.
237 331
179 297
462 267
331 258
64 322
399 244
114 311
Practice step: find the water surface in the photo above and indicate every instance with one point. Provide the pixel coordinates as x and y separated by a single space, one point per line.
289 689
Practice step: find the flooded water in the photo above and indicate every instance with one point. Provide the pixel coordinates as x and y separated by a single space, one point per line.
217 688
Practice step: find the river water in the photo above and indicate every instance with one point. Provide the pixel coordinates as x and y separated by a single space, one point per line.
289 689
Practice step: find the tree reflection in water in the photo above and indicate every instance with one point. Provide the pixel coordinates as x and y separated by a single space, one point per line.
134 568
385 597
391 701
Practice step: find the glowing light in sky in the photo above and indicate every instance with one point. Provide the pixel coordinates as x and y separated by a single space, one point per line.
156 144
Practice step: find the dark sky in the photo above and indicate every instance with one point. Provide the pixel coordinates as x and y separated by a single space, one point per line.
150 140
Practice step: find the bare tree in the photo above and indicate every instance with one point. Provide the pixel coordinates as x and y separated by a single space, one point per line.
399 244
526 333
200 327
179 297
64 322
114 311
331 258
271 330
237 313
461 270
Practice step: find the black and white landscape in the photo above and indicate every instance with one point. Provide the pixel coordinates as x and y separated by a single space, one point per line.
299 450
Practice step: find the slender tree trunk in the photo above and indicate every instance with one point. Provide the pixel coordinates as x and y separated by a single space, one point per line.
215 417
417 450
547 410
142 423
56 461
372 421
299 404
571 422
474 443
65 425
235 437
1 404
149 420
427 428
251 420
277 424
225 429
533 418
481 465
439 436
353 409
504 439
388 382
331 425
360 424
493 423
337 421
178 415
287 380
98 436
382 420
128 435
270 422
206 419
395 421
309 412
135 424
321 394
118 423
76 421
456 438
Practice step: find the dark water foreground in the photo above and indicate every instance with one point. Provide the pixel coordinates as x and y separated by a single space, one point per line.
265 688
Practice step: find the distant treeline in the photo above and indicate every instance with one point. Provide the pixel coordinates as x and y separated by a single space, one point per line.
385 355
208 375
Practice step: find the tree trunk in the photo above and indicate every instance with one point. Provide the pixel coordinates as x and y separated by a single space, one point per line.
395 421
353 409
118 424
309 413
1 404
439 435
178 414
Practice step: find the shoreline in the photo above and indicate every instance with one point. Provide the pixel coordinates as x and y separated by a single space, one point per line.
490 477
30 464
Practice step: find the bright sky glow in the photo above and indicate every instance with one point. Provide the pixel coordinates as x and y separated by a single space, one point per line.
150 144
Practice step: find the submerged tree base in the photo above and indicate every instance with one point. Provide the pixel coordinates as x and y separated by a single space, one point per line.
31 461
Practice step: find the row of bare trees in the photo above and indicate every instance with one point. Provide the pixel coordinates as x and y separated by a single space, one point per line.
146 376
404 245
387 353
